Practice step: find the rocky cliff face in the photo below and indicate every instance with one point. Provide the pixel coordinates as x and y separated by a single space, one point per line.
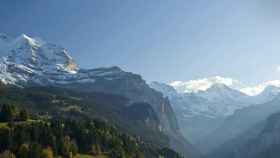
33 62
200 113
115 81
211 116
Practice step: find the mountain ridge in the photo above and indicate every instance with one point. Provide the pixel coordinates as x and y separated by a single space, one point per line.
198 85
201 114
32 62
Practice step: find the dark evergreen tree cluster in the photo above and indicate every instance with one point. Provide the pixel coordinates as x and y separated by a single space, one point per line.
61 123
9 113
47 138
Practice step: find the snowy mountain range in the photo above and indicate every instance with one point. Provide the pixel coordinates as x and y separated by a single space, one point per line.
218 95
218 101
202 105
194 86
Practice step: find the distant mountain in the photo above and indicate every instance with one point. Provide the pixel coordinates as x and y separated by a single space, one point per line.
268 94
196 109
258 89
165 89
202 113
29 62
218 100
242 121
194 86
261 140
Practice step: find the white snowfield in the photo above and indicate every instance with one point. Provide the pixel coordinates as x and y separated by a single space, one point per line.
25 59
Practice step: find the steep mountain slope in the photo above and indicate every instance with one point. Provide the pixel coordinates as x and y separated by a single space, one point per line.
33 62
218 100
75 111
199 113
54 101
268 94
241 121
261 141
203 105
135 88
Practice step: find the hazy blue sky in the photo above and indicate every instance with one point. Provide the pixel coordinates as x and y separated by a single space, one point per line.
162 40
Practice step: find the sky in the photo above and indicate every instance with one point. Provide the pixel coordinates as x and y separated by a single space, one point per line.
161 40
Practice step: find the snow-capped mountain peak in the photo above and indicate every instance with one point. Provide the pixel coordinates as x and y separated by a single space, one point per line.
218 87
26 40
270 91
27 52
260 88
194 86
218 100
31 60
215 96
221 92
200 85
24 58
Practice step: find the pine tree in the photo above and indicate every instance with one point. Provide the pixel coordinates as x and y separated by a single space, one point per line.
7 113
6 140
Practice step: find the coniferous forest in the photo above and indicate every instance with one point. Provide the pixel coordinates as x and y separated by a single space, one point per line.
23 136
36 134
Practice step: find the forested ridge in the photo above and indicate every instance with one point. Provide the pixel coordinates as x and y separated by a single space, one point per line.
56 128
